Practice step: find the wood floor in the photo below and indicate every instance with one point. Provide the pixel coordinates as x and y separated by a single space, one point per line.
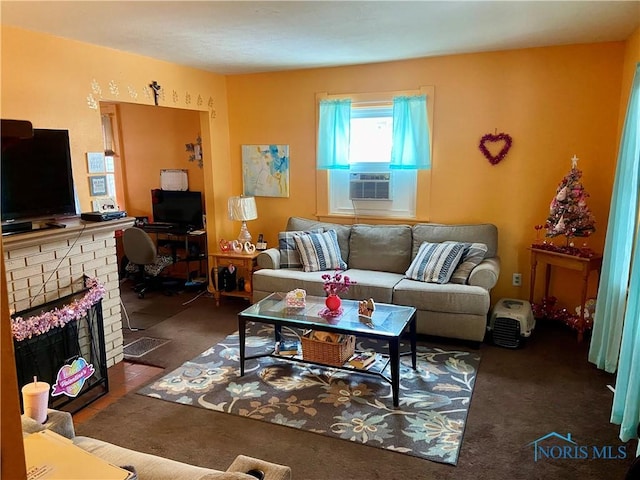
123 378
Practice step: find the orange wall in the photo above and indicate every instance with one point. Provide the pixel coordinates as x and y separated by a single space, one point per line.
554 102
153 139
631 60
58 83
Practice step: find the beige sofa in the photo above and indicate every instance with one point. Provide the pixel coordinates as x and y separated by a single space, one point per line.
377 258
152 467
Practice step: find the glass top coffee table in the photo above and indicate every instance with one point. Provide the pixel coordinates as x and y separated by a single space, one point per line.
387 323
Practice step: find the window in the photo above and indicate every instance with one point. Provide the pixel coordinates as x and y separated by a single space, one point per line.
369 186
365 183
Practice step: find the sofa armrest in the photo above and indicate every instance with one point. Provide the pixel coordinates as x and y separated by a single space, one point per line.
269 258
57 421
272 471
486 273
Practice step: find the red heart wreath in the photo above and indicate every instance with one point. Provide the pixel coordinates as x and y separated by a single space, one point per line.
495 159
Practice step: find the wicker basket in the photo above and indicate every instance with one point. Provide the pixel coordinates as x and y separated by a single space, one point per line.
328 353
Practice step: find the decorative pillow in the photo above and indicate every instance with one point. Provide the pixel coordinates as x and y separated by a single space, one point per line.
319 251
289 256
435 262
472 255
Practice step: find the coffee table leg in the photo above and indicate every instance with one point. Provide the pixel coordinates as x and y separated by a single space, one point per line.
278 332
242 324
394 356
413 333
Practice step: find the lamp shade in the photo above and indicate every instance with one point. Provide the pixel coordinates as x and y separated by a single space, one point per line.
242 208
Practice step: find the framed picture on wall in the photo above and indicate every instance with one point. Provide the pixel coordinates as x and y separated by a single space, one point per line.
95 162
265 170
98 185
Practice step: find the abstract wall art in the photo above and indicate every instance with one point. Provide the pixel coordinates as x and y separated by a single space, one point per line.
265 170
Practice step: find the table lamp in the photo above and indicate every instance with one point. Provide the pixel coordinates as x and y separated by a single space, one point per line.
243 209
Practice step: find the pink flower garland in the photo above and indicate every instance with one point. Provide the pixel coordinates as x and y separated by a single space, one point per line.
23 329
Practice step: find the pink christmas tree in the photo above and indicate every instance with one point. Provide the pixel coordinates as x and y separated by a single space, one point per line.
569 214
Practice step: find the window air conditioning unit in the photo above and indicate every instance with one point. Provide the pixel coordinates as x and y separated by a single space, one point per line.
370 186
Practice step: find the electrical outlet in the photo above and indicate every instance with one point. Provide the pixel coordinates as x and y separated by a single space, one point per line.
517 280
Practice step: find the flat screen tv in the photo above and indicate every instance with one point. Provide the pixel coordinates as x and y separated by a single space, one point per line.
36 177
183 208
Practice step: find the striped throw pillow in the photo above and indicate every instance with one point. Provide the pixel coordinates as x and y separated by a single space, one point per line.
435 262
472 255
289 256
319 251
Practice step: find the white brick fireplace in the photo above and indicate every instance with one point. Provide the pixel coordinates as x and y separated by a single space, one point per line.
60 257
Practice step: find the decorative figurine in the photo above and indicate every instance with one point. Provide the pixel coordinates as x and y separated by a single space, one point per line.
366 307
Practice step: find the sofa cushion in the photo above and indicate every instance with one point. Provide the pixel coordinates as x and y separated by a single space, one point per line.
435 262
289 255
437 233
285 280
319 251
372 284
343 231
472 255
449 297
385 248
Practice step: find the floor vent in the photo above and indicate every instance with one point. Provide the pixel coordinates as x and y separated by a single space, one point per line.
142 346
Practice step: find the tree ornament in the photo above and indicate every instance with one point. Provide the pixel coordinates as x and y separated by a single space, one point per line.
562 195
559 227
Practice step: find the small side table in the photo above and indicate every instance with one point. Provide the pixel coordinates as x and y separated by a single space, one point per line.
572 262
245 264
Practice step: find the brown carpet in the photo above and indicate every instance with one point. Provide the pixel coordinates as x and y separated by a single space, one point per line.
520 395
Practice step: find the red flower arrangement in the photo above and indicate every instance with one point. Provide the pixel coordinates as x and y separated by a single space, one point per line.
336 283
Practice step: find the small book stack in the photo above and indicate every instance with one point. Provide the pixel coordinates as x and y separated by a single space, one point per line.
362 360
288 347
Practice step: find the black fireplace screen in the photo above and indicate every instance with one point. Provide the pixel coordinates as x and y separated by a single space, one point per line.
44 355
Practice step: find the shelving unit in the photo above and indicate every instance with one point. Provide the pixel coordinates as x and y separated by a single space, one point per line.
185 248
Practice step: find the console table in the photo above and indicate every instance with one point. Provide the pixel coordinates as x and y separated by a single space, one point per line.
585 265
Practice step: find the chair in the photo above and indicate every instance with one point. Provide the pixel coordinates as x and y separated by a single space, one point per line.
143 257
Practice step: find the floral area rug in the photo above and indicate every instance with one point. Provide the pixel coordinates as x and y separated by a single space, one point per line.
428 423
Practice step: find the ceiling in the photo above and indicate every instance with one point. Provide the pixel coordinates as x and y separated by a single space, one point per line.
233 37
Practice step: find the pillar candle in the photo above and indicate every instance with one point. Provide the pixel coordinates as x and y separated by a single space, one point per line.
35 398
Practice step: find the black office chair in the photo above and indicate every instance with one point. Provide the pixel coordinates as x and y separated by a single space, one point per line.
143 258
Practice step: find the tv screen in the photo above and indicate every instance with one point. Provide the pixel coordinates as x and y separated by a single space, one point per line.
36 177
183 208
